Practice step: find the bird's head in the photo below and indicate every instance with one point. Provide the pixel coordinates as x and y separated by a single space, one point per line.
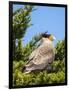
49 36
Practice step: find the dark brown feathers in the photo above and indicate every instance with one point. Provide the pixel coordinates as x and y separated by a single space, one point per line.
46 35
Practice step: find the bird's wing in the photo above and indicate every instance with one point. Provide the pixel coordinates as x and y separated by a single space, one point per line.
41 55
41 58
31 57
36 50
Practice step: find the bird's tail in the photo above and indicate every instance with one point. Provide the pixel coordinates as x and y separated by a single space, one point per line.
24 70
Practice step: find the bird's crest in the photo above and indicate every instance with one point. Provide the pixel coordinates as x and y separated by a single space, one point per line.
45 34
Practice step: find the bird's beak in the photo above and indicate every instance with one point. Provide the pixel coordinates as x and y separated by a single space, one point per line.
54 38
51 37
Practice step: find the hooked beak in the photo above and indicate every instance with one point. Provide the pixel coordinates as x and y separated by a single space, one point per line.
54 38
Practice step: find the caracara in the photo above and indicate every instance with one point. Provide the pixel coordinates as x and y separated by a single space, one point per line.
42 56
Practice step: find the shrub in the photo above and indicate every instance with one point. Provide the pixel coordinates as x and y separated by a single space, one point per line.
55 75
23 79
60 50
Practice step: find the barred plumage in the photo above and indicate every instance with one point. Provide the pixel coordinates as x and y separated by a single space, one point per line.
41 57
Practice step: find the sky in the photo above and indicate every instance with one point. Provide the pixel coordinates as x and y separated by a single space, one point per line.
45 18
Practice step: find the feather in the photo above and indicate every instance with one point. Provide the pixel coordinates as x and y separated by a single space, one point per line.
41 56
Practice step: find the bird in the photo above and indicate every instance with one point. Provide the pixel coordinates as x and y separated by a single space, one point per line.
42 56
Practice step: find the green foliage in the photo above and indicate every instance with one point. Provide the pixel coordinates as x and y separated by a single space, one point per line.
58 66
56 75
19 51
22 53
60 50
17 65
30 47
21 21
35 39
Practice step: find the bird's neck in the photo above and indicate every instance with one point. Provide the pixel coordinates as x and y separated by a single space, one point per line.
47 42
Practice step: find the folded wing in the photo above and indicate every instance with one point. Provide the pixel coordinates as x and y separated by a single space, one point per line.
40 58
